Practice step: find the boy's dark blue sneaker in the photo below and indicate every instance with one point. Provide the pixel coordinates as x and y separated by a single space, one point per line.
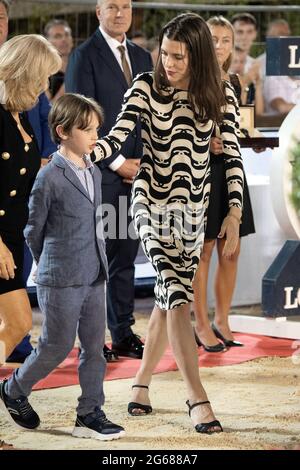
96 426
18 410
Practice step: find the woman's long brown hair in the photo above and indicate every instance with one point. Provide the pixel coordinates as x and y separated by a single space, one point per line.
205 92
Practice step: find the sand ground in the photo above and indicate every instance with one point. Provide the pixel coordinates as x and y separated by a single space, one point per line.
258 403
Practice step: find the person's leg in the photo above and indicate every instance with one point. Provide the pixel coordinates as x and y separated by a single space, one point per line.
24 348
120 290
61 308
200 305
155 345
16 319
181 338
121 252
91 421
92 365
224 287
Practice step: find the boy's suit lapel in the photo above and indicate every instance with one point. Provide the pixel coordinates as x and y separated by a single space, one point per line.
69 174
97 189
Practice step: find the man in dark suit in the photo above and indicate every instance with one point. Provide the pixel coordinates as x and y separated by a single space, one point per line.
102 68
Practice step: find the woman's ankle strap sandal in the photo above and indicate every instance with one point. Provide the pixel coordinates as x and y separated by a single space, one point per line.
204 428
146 409
191 407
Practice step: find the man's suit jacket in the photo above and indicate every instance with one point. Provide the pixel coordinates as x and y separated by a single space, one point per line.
94 72
62 227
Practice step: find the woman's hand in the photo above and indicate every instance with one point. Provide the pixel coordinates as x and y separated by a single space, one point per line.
230 228
216 145
7 264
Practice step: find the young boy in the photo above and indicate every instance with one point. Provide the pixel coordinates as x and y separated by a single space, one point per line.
71 273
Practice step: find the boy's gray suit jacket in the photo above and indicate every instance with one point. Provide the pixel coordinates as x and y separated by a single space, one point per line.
64 230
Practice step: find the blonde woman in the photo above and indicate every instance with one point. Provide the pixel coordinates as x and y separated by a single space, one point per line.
26 62
218 217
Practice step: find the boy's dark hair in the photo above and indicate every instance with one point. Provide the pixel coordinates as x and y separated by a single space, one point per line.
244 18
72 110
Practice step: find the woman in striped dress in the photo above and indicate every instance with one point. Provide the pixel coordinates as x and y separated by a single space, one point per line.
178 107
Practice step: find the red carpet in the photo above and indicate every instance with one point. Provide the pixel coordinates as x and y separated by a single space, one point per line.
255 346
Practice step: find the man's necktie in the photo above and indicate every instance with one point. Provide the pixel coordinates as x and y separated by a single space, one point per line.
125 66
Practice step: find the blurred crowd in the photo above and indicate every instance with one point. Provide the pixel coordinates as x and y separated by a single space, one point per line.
271 95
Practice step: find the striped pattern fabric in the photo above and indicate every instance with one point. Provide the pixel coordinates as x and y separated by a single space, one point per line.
170 193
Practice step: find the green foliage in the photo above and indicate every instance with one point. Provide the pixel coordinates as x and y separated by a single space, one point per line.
295 196
153 20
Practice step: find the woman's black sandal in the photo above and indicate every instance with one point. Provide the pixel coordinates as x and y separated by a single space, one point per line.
133 405
204 428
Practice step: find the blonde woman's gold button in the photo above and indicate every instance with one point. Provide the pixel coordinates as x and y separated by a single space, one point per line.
13 193
2 212
23 171
5 155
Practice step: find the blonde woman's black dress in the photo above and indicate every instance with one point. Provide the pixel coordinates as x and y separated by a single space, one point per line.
19 164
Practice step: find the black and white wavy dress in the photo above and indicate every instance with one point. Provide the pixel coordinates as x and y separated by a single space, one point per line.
171 190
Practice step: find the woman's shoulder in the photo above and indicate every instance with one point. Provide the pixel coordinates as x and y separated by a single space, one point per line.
7 120
144 77
143 85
